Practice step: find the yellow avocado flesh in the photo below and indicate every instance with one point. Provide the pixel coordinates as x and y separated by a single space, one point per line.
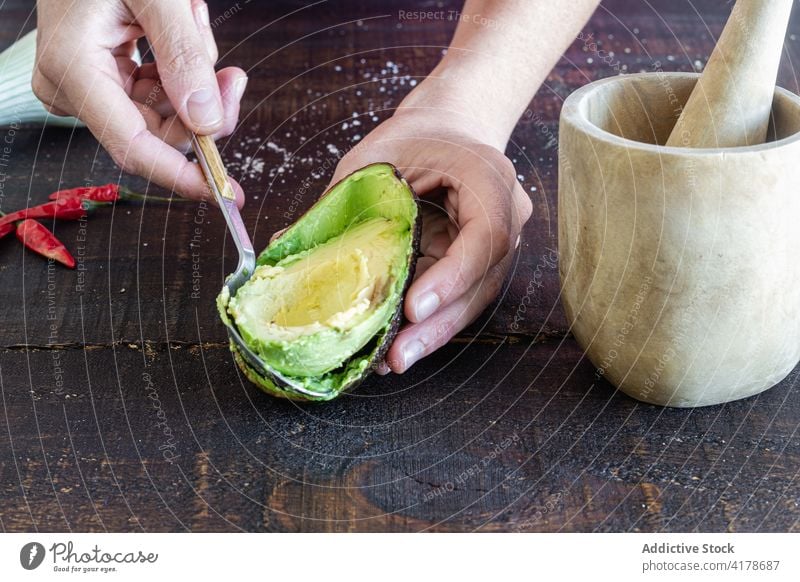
314 301
328 286
312 310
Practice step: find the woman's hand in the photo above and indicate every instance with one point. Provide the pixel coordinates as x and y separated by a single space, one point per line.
466 250
140 114
447 136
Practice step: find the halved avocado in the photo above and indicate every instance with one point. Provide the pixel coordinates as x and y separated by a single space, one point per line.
326 297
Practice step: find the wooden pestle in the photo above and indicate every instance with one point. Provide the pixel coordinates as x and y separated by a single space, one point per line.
731 103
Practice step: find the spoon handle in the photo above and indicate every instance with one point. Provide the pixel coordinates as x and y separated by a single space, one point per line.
217 178
212 165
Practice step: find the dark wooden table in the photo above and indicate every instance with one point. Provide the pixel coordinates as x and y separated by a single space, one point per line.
123 411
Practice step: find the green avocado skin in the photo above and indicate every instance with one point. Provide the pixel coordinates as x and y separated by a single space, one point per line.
375 191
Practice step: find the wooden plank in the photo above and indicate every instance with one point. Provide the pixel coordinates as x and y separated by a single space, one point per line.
82 441
479 436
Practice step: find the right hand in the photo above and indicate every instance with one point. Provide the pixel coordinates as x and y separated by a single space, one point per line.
465 251
140 114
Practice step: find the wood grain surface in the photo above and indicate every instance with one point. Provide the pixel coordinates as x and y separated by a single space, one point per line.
122 409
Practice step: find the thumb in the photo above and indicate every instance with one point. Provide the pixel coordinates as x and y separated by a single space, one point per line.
183 63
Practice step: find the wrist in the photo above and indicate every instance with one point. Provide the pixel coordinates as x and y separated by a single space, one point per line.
459 91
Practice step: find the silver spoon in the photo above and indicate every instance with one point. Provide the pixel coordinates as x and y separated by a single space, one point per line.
217 178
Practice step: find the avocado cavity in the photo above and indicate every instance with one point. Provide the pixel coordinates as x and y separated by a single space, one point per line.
314 309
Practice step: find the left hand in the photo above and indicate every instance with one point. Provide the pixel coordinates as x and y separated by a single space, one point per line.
466 253
139 113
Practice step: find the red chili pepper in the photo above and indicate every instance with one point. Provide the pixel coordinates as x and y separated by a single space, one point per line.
106 193
6 228
36 237
63 209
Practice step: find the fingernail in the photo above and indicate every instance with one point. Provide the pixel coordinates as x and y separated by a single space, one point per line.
382 369
239 86
412 352
426 305
202 14
204 109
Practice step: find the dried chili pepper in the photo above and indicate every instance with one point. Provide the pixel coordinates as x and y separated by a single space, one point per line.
107 193
71 204
6 228
63 209
37 238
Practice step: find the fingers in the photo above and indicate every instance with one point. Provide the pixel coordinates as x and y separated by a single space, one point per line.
423 264
98 85
232 82
485 210
150 93
47 92
148 90
127 70
436 233
491 227
117 123
135 134
203 22
164 123
126 49
418 340
56 111
184 63
277 234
